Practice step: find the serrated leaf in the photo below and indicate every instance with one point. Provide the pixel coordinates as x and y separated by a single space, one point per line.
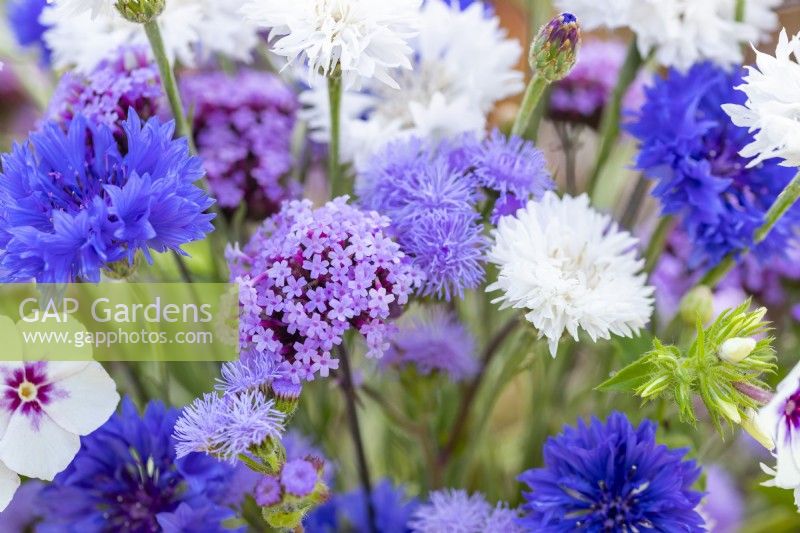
629 378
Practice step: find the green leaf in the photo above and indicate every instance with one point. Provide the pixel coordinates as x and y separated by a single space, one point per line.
629 378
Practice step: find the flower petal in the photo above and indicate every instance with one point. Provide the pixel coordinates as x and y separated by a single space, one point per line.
37 447
9 483
90 399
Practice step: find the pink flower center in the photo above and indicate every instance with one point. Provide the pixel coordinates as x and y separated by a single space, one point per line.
27 389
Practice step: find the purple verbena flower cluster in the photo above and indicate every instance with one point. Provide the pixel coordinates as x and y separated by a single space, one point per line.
128 80
243 126
307 276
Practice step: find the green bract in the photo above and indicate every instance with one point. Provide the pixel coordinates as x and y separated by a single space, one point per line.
140 11
667 371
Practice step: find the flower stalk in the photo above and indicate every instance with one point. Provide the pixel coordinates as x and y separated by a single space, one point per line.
348 388
610 123
783 203
334 164
183 128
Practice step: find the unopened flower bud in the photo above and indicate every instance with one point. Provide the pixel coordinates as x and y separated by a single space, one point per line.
698 303
736 349
750 425
555 49
140 11
728 410
287 395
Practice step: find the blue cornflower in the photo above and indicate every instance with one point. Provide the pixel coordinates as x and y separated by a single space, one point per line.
75 201
431 203
23 17
691 149
126 477
348 512
611 477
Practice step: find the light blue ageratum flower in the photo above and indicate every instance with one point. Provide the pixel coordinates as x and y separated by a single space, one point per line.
73 202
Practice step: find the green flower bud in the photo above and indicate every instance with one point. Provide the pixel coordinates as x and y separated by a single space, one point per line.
697 304
749 425
555 49
287 395
140 11
123 269
736 349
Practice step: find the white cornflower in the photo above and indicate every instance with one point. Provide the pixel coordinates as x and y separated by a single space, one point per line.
780 421
682 32
45 407
94 7
192 29
452 88
771 111
363 39
571 267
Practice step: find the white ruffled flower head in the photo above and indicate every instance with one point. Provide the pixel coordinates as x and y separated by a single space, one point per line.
572 268
192 29
771 111
780 421
452 88
94 7
681 32
45 407
363 39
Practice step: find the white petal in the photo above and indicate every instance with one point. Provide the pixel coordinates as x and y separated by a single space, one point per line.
91 398
9 483
41 449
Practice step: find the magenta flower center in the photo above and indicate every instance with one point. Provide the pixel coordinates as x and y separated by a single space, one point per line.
791 411
27 389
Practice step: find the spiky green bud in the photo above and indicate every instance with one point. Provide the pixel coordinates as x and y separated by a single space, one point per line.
723 366
555 49
140 11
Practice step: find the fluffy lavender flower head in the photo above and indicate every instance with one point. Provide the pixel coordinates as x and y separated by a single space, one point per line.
511 167
723 505
457 511
243 127
229 425
307 276
431 203
434 340
128 80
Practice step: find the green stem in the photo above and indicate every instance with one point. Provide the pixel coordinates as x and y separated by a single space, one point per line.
183 129
657 243
786 199
609 125
471 390
634 202
334 166
533 94
740 10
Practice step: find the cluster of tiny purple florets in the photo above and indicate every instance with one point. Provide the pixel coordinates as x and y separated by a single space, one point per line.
307 276
243 126
128 80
